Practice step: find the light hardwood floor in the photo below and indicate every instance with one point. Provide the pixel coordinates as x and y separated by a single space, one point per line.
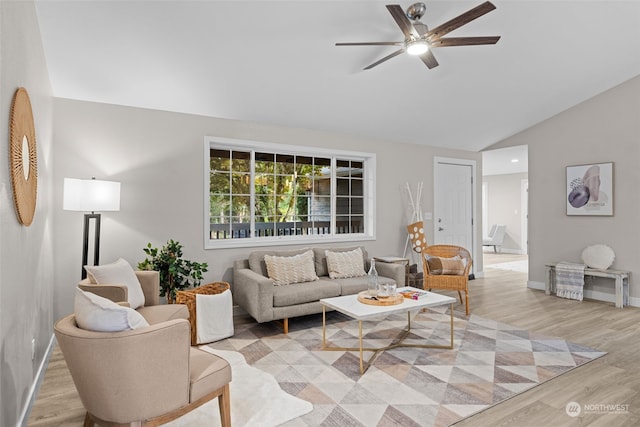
502 296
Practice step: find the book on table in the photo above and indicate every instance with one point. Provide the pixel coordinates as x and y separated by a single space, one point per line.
412 293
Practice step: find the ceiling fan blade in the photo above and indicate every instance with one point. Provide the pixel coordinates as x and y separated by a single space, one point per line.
403 22
371 44
464 41
429 60
386 58
460 20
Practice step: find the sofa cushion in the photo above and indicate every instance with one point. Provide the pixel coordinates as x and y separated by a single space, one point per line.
285 270
345 263
450 266
256 259
119 272
353 285
300 293
321 258
98 314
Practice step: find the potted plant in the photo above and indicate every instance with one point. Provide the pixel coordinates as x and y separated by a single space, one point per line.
175 273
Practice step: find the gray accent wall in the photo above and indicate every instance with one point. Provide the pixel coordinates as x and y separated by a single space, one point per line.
26 253
605 128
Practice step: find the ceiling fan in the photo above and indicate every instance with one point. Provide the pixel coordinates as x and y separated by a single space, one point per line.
418 39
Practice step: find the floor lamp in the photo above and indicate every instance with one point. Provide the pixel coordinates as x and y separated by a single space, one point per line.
90 195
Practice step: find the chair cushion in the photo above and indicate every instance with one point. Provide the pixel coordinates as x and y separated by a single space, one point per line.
161 313
285 270
345 264
207 373
450 266
98 314
118 273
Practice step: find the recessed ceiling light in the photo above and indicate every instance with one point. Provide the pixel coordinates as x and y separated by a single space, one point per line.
514 160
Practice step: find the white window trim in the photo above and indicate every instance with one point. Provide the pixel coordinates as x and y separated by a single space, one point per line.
239 144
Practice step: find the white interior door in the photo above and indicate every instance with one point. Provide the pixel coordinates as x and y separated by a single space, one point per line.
454 203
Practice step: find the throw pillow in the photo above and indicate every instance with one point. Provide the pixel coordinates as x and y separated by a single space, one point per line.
98 314
285 270
452 266
118 273
345 264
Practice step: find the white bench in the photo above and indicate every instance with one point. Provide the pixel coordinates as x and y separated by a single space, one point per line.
621 281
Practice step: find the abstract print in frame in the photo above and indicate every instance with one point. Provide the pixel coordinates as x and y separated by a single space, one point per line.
590 189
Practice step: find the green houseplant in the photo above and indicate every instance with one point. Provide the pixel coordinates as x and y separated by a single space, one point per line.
175 273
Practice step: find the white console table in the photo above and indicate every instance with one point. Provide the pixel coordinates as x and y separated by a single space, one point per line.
621 281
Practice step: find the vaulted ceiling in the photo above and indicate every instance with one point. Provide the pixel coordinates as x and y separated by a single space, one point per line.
276 62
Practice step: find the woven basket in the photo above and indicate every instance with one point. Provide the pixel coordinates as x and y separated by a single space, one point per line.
188 298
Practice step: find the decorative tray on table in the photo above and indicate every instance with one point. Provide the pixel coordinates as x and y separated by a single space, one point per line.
364 298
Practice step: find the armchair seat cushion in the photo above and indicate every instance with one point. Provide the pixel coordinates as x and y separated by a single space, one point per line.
208 372
300 293
161 313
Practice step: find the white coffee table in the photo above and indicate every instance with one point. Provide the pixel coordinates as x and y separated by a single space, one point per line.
355 309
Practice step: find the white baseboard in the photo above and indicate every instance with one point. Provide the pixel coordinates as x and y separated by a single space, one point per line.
589 294
536 285
35 386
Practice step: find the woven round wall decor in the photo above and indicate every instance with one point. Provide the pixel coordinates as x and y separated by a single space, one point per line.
23 158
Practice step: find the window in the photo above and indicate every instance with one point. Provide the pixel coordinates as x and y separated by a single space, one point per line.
266 194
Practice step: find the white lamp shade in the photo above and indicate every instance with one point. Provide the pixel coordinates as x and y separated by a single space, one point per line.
91 195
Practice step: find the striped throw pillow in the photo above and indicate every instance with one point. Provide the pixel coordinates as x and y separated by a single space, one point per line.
285 270
450 266
345 264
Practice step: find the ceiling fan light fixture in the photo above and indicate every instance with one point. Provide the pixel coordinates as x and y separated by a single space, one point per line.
417 47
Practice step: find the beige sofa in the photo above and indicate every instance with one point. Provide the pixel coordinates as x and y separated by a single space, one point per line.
256 293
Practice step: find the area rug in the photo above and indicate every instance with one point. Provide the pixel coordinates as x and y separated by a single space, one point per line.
519 266
490 362
256 399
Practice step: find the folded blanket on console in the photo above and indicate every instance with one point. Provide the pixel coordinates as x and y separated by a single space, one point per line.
570 280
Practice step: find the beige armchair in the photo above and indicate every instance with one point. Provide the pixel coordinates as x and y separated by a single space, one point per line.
146 376
153 311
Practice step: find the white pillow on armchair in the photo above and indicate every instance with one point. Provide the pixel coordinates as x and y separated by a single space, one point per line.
118 273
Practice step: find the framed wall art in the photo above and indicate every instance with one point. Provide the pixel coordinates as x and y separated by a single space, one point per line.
590 189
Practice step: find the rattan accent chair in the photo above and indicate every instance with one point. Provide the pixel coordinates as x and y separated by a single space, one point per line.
445 281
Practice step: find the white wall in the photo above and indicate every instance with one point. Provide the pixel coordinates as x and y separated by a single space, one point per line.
26 259
605 128
158 158
504 194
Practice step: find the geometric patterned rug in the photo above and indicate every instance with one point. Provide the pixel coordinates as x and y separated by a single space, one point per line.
490 362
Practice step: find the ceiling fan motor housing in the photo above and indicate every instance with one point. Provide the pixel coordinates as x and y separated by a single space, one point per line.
416 11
